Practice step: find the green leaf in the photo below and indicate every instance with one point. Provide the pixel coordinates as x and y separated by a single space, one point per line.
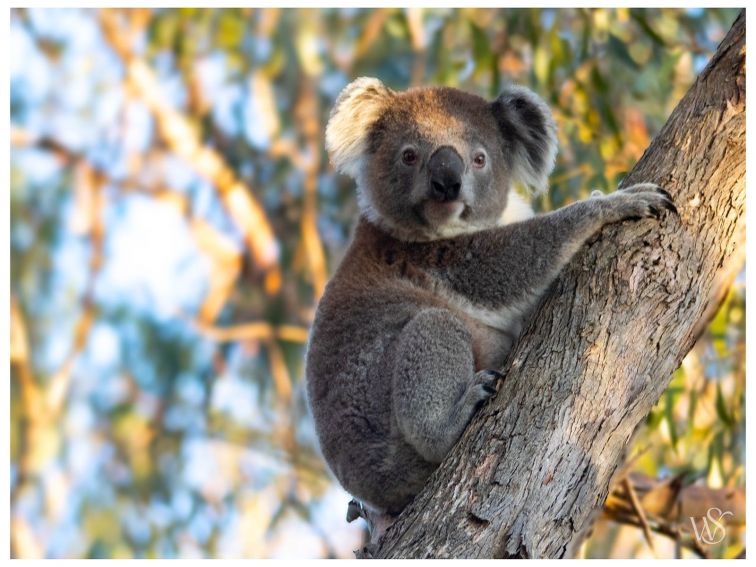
618 49
722 412
653 420
669 406
541 64
692 405
639 15
230 30
481 46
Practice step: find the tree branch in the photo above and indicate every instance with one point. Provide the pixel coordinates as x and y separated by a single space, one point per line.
246 212
534 466
260 330
666 506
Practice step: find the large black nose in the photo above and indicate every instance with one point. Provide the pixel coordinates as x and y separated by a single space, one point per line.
445 170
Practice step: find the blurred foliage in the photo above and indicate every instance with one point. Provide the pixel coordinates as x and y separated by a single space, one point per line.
174 220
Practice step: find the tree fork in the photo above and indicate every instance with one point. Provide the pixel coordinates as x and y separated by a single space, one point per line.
531 470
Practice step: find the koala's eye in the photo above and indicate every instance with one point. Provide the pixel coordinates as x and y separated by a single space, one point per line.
479 160
409 156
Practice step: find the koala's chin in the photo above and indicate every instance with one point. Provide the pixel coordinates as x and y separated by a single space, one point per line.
425 221
445 218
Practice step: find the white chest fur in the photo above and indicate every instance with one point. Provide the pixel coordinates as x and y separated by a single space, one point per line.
506 319
493 331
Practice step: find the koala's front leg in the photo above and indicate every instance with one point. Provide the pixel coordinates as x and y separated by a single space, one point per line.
435 388
576 223
513 264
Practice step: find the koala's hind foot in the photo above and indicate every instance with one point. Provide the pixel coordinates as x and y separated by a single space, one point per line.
378 523
484 385
354 511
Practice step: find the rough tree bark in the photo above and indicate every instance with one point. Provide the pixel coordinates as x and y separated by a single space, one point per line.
536 463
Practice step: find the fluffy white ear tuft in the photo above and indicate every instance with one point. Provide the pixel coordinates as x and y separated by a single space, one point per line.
358 107
526 123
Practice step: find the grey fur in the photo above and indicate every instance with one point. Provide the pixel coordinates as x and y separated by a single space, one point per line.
424 307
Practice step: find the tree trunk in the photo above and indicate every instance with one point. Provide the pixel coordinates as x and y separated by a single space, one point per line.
536 463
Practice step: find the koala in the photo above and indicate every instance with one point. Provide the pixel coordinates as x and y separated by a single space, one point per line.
444 265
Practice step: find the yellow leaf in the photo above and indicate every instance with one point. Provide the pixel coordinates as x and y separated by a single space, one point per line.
541 61
307 50
264 100
226 262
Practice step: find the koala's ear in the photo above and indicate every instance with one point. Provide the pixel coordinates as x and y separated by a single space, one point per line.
526 124
358 107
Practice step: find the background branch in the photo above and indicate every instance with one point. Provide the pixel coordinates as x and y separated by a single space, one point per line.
184 140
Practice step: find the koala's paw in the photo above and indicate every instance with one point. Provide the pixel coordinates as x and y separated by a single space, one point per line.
484 385
355 510
643 200
367 552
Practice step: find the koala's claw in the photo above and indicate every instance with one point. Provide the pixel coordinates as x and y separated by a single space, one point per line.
367 552
377 523
666 202
354 511
664 192
669 204
644 200
485 383
489 377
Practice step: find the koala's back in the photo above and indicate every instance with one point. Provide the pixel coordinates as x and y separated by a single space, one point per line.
349 367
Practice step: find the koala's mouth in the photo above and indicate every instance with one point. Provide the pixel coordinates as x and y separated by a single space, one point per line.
441 213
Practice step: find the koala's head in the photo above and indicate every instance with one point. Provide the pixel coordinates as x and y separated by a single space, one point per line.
435 162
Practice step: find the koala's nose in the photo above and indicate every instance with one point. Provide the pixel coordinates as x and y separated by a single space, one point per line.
445 169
